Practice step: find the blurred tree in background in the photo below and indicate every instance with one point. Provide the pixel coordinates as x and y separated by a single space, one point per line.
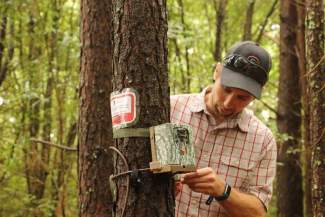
40 41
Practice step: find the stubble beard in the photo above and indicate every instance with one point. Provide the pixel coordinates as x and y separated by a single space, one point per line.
224 114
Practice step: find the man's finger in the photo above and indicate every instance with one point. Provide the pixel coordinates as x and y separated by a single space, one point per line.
200 179
198 173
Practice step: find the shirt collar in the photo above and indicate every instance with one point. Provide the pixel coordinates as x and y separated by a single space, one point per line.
198 104
241 120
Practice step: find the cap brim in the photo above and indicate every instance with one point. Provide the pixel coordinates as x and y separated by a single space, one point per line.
238 80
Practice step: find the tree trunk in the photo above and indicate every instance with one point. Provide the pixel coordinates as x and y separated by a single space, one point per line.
58 169
301 51
34 167
178 67
290 199
186 79
316 80
249 21
220 17
269 14
6 39
94 129
3 30
63 167
140 62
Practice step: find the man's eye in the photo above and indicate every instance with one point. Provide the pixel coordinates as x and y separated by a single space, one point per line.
243 98
227 89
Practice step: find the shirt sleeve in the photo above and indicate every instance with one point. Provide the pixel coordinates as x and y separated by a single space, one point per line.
261 177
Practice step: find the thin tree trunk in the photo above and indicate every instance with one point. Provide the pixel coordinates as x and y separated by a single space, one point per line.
6 57
249 21
140 62
94 128
211 23
220 17
187 77
269 14
3 30
50 41
58 170
178 67
301 51
290 199
62 160
315 76
63 169
33 164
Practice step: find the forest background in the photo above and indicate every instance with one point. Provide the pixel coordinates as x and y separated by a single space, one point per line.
39 82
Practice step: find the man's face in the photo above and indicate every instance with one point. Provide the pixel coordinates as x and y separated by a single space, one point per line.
226 101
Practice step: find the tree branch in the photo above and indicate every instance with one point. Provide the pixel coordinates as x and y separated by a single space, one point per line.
270 108
62 147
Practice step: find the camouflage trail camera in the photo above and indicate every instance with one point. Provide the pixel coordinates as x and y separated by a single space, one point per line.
172 148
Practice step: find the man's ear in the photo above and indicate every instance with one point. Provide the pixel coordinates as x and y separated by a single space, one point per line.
217 71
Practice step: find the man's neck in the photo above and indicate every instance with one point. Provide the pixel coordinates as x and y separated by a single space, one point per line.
209 107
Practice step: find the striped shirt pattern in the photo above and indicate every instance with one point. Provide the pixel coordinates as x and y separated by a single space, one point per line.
241 150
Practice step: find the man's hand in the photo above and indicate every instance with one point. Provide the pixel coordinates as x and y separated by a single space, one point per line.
178 187
204 181
239 204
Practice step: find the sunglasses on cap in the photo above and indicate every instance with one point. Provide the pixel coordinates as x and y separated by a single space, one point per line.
248 67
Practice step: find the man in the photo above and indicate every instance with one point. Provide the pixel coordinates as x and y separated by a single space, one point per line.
235 152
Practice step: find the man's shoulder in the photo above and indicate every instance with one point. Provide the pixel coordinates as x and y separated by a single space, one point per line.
254 124
182 106
182 98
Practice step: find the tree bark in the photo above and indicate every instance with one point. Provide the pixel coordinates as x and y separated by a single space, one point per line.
249 21
140 62
3 30
290 199
5 38
94 129
301 51
220 17
316 80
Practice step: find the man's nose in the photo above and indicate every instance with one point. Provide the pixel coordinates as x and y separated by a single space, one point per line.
229 101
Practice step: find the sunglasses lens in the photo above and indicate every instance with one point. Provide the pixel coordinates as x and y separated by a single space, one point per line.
240 63
247 67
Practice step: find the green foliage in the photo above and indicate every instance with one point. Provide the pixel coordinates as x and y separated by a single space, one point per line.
46 44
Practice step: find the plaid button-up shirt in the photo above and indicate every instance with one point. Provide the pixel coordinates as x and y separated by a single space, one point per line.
241 150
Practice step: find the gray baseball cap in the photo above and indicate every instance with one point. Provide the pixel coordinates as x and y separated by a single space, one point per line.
246 66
